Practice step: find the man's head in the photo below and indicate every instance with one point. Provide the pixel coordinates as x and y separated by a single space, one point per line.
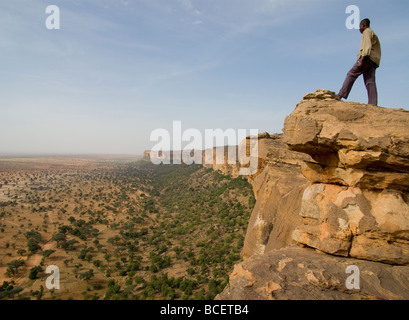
365 24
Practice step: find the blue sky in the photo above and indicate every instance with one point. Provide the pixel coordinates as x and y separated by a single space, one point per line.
119 69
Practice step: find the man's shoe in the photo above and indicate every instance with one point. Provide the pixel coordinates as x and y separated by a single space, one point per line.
338 97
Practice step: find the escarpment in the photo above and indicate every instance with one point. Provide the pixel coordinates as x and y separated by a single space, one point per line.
356 203
278 186
332 191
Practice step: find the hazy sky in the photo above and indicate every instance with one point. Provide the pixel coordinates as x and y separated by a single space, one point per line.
117 70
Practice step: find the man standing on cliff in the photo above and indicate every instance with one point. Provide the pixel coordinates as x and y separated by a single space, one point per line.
369 59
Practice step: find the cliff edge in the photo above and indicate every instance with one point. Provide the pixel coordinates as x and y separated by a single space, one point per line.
335 196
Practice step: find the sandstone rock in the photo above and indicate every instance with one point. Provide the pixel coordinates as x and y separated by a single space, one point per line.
278 185
317 173
381 247
351 203
227 159
360 136
357 204
223 159
347 221
276 213
304 274
146 155
320 94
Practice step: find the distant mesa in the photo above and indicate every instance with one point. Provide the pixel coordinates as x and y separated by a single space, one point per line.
146 156
224 159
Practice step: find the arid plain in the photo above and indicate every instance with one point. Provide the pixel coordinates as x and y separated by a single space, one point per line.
117 228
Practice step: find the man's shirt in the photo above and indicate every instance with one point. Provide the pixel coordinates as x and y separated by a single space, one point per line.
370 46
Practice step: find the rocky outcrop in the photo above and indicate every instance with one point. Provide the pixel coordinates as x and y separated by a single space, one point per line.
146 155
353 144
357 203
223 159
304 274
351 204
278 187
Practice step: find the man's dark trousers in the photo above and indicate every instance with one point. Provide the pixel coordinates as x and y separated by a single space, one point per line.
368 69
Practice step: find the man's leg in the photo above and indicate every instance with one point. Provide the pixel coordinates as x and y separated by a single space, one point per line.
370 83
350 79
353 74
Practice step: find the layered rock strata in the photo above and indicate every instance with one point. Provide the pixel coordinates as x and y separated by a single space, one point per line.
223 159
304 274
353 208
357 203
278 187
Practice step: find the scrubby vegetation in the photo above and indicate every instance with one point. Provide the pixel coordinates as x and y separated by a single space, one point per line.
121 231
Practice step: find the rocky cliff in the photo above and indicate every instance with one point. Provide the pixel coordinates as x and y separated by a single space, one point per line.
223 159
332 193
278 186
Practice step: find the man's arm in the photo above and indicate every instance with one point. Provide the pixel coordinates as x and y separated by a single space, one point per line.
366 45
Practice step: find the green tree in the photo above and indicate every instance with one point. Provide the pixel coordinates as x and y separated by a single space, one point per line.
12 267
87 275
48 253
8 290
34 272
